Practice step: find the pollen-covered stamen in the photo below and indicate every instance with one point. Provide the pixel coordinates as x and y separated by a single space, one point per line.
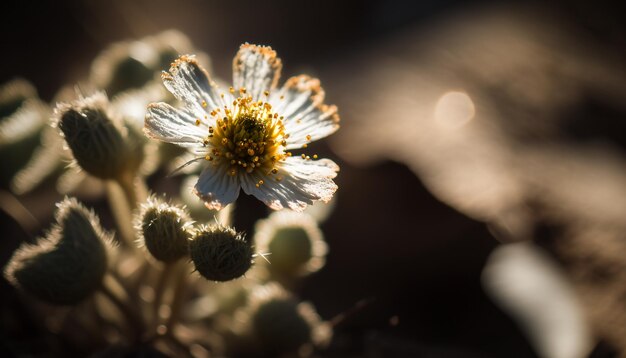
247 136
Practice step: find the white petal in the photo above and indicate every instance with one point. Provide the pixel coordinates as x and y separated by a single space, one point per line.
257 69
303 182
307 119
318 123
166 123
216 188
299 94
190 83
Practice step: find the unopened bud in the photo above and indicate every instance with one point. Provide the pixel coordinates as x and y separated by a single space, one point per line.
220 253
293 241
164 229
121 67
282 325
22 117
68 264
13 94
99 143
130 65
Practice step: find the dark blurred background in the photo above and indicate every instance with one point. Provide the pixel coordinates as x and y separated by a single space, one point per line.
405 264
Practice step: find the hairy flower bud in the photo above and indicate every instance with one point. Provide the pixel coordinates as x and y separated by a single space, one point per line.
13 94
220 253
164 229
294 242
99 143
128 65
22 117
282 325
68 264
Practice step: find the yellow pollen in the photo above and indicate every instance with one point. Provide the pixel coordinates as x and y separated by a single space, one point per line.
204 104
249 135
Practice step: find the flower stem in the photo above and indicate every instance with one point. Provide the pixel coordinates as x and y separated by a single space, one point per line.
160 290
122 214
125 193
134 188
179 295
116 294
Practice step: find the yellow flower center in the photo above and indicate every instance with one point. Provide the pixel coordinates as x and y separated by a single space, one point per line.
248 137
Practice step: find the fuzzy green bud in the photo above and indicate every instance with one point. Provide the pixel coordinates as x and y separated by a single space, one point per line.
220 253
282 325
164 230
99 142
293 241
129 73
130 65
68 264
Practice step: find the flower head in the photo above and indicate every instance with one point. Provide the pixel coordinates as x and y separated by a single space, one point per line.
246 133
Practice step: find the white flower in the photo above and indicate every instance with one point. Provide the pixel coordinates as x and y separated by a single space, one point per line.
245 134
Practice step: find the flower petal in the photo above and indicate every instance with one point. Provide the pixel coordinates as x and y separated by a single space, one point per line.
257 69
303 182
307 119
319 123
189 82
216 188
166 123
